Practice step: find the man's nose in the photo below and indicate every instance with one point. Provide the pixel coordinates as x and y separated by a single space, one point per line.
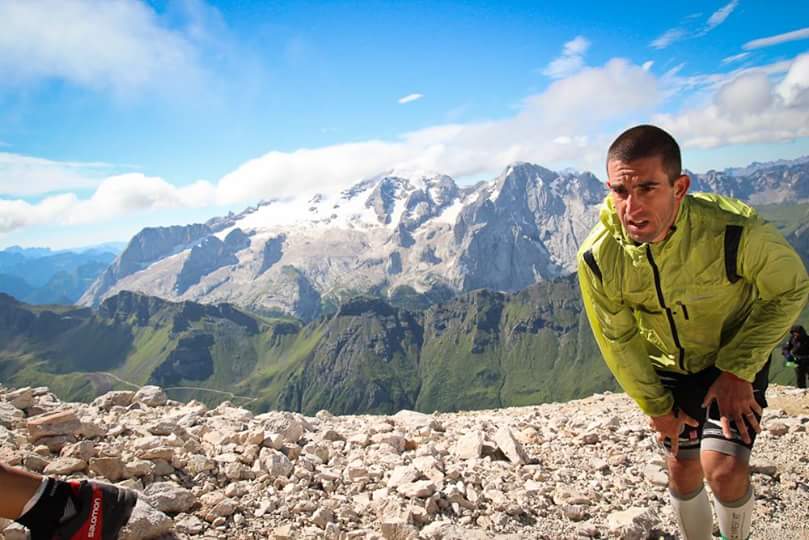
632 203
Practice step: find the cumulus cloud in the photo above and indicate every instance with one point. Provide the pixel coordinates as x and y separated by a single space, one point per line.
803 33
15 214
750 108
704 85
112 45
134 192
115 197
749 94
410 97
571 122
794 89
571 60
574 107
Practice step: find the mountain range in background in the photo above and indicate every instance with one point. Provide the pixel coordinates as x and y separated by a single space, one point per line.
402 235
399 234
398 293
44 276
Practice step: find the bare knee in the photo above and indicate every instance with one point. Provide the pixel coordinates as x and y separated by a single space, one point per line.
728 476
685 475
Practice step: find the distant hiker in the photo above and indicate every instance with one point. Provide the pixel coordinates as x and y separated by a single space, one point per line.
57 510
796 351
687 296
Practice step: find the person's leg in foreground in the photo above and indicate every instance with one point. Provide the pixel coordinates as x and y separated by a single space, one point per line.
54 509
716 450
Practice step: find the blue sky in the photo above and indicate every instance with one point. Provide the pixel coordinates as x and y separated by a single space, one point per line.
115 115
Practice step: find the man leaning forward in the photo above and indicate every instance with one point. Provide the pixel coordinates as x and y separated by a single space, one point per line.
687 296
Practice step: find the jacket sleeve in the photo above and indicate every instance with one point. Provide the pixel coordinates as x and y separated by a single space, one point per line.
781 286
623 348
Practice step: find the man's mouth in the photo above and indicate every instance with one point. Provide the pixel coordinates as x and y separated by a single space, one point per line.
638 224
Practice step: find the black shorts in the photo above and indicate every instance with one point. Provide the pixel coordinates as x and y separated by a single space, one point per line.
689 392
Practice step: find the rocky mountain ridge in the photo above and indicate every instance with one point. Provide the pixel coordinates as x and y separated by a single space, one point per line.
583 469
401 232
42 276
390 233
759 183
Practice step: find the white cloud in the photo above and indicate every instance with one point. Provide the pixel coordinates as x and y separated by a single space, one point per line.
114 198
794 89
735 58
17 214
720 15
574 107
578 140
576 46
571 122
704 86
686 30
571 60
410 97
25 175
668 37
108 45
750 108
803 33
134 192
749 94
647 65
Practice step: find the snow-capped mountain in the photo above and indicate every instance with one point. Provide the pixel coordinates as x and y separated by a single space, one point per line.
759 183
399 231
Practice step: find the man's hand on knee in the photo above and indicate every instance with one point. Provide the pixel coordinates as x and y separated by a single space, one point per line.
669 426
734 397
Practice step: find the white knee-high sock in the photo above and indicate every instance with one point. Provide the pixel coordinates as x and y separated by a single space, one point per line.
735 517
693 511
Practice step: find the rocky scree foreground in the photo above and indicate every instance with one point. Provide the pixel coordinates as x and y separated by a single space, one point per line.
586 468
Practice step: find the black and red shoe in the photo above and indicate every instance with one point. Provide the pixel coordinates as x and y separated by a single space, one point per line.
103 511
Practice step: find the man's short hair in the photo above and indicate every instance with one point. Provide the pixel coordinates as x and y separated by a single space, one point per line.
647 141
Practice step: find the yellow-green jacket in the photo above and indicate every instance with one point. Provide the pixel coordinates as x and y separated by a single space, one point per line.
679 304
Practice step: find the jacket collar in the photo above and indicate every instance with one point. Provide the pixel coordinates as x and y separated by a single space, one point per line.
637 252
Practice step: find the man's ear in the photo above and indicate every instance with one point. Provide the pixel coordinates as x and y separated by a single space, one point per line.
681 185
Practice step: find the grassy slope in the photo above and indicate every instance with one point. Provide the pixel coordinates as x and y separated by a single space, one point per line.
363 361
787 218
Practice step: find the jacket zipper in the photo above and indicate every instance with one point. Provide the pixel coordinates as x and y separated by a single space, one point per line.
662 301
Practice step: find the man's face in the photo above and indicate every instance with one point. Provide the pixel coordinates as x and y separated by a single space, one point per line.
644 198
